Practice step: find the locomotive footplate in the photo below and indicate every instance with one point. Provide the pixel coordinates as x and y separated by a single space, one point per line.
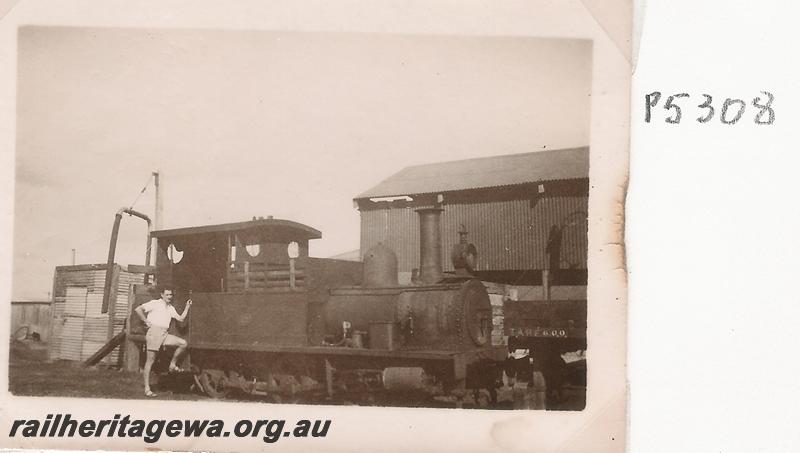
466 367
459 359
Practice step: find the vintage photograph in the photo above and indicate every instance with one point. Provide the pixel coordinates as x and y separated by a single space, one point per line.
301 217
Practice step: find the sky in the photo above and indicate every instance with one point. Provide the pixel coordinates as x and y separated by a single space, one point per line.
258 123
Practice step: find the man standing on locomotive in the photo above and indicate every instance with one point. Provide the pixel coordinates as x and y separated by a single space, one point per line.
157 315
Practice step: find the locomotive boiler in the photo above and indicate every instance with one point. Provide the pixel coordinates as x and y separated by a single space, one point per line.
435 314
269 320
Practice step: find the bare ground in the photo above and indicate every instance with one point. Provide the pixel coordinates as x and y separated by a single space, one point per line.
30 374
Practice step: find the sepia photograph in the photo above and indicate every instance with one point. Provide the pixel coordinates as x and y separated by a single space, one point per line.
270 218
421 280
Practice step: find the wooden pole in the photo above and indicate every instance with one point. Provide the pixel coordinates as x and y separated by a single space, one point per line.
131 351
53 319
159 211
158 216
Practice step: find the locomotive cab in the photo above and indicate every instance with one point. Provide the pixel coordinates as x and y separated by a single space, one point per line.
231 257
252 283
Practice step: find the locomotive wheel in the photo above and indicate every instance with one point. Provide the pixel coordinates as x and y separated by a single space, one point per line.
213 384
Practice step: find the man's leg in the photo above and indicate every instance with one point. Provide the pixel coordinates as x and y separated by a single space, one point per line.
181 344
151 357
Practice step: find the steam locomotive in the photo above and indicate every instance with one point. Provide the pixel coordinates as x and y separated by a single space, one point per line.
269 320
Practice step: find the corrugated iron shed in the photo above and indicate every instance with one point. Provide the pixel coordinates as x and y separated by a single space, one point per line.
524 212
78 327
509 234
485 172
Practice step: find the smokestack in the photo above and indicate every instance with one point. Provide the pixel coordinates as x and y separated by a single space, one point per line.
430 245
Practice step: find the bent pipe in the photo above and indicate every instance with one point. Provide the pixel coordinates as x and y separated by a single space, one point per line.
112 250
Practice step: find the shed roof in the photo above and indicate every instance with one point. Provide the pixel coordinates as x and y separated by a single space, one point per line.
483 172
293 229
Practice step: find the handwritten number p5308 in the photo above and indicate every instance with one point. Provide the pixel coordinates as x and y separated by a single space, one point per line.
730 111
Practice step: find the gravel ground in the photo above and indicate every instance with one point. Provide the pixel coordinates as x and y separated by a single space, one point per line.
30 374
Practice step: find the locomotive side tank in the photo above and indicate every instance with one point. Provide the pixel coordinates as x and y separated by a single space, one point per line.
453 316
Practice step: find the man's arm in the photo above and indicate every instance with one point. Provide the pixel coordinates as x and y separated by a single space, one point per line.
181 317
140 312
